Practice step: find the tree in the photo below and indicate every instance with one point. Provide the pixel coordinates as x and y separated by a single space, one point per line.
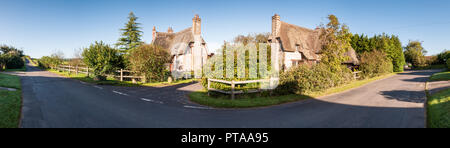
10 57
6 49
443 56
252 38
150 61
390 45
335 40
415 54
131 35
102 58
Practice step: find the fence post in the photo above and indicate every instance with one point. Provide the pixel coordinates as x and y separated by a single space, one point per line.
232 90
209 86
121 74
88 71
76 70
69 70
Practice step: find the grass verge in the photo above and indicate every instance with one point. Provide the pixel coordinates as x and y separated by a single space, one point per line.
10 101
439 110
442 76
254 100
349 86
114 82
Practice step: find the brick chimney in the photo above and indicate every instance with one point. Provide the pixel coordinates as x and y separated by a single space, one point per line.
197 25
276 25
154 33
170 30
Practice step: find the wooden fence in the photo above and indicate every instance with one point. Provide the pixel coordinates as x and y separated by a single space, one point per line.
357 74
121 74
233 84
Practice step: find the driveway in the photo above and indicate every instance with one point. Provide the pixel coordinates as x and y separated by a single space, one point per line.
50 100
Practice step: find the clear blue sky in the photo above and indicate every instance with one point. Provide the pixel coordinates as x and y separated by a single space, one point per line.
40 27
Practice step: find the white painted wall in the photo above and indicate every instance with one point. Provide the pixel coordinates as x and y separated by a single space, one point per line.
290 56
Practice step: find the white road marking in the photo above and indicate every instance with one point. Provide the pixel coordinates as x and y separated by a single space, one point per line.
120 93
196 107
98 87
83 82
150 100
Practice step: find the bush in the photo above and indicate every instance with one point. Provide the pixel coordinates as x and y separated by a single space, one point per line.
52 61
11 57
448 64
442 57
11 60
102 58
150 61
374 64
303 79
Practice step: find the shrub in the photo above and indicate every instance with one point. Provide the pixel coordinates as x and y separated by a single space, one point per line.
150 61
448 63
102 58
443 56
51 61
11 57
303 79
374 64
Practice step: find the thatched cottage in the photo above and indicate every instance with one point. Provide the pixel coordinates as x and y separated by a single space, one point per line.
297 45
187 48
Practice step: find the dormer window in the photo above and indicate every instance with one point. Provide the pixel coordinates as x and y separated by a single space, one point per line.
297 46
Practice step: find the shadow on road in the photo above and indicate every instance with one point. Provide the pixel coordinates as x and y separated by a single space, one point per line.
405 96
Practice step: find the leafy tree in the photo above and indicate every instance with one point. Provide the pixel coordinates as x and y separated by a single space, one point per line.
252 38
6 49
131 35
443 56
10 57
335 39
150 61
415 54
102 58
390 45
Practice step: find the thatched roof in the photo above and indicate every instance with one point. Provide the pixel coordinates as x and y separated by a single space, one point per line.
353 57
306 41
175 43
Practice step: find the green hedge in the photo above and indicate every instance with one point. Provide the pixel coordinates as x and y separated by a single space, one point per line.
375 63
448 63
303 79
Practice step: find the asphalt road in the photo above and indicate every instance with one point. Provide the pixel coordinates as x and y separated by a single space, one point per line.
53 101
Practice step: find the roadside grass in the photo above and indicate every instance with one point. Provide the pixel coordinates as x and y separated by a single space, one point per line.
247 101
440 66
439 110
349 86
442 76
256 100
114 82
19 69
9 81
10 101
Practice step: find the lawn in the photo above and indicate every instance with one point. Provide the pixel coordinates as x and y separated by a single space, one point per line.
442 76
248 101
439 110
114 82
255 100
10 101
